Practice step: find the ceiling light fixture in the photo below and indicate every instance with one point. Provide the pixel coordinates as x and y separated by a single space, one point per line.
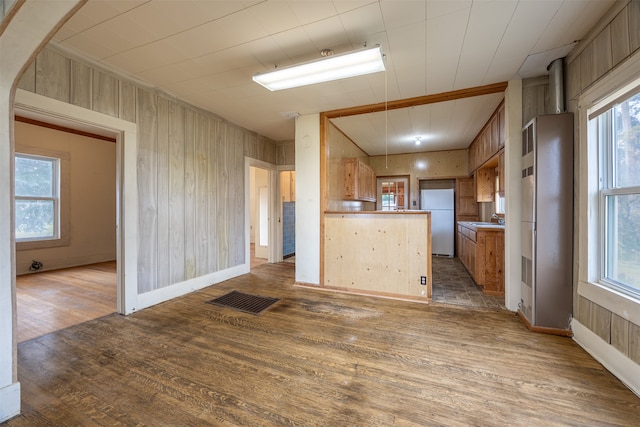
328 68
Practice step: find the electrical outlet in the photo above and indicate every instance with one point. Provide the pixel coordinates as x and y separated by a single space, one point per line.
423 280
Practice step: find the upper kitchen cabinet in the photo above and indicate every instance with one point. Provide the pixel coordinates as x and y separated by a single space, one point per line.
359 181
489 141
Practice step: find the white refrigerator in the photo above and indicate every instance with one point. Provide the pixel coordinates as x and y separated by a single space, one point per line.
440 203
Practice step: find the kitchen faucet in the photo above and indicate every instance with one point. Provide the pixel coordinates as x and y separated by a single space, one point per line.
500 220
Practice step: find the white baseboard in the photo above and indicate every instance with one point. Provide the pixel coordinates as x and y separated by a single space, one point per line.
149 299
617 363
9 401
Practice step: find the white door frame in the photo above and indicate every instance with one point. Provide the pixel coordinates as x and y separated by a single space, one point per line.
58 112
274 239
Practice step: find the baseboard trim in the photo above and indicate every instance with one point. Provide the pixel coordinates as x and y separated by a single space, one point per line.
617 363
399 297
158 296
543 329
9 402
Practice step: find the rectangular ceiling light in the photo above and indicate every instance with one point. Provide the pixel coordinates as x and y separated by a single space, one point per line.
329 68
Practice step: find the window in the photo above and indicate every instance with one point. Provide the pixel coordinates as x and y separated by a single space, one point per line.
40 199
37 197
617 130
392 194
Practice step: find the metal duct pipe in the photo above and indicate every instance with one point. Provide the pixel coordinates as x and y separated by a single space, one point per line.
556 86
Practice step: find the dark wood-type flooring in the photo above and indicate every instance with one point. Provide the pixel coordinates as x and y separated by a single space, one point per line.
313 359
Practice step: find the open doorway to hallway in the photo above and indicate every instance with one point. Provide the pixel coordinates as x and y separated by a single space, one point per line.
259 228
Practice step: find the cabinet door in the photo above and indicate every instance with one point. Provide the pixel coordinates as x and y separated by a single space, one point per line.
501 176
466 198
485 185
501 118
494 136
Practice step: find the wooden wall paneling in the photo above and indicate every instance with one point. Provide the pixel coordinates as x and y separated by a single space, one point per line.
634 25
286 153
620 37
634 342
190 194
251 147
164 248
53 75
586 64
584 311
127 101
214 129
176 193
105 93
147 191
28 80
534 97
620 334
237 202
81 85
603 59
573 79
223 194
601 322
202 195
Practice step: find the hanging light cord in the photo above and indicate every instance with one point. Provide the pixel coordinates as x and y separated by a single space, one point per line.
386 120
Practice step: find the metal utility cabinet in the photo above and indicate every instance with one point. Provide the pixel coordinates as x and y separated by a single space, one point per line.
547 223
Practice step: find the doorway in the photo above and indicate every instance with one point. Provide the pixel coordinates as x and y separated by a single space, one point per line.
67 275
287 207
259 215
53 111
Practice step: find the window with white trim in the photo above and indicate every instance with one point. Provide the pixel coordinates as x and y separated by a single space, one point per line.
616 126
37 197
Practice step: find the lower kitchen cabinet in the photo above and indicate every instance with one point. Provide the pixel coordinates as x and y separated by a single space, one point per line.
481 251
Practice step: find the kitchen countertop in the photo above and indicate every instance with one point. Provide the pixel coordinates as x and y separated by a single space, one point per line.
478 225
411 211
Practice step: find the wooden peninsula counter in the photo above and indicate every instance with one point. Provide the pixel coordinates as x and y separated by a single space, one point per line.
383 253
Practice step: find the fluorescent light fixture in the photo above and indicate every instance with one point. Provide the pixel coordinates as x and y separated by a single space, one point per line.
334 67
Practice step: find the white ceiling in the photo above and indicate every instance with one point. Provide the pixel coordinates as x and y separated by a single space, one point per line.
206 51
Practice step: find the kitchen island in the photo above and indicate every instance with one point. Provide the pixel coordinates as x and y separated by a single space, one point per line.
382 253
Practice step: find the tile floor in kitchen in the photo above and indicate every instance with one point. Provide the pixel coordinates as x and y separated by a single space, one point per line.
453 285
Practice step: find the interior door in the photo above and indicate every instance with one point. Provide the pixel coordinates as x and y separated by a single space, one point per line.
262 225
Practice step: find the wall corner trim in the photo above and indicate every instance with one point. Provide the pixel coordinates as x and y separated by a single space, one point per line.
617 363
9 401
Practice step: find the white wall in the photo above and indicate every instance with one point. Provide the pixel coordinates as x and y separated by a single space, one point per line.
308 199
513 134
92 198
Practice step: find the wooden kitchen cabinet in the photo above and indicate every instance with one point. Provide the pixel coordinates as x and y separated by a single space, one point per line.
488 141
485 184
501 124
501 176
466 206
359 181
481 251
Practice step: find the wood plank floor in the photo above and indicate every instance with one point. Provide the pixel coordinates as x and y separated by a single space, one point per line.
54 300
313 359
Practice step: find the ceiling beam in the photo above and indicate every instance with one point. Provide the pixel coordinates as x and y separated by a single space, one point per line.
419 100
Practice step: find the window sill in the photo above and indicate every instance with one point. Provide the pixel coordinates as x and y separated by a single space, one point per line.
43 244
623 305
